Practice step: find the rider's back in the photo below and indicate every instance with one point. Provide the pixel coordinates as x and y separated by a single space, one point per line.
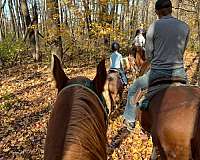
115 58
169 37
139 40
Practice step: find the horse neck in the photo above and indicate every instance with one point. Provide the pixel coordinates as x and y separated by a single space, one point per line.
85 135
76 128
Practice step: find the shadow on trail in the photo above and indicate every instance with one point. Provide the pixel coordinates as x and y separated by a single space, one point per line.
22 91
116 113
22 122
117 140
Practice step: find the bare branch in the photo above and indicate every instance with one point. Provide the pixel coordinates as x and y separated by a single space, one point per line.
186 10
3 5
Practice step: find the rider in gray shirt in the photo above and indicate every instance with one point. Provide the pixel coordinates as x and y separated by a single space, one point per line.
165 45
166 42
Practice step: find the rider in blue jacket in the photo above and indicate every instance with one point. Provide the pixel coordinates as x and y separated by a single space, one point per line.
116 62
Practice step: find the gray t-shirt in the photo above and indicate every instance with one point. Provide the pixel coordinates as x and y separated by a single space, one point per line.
166 41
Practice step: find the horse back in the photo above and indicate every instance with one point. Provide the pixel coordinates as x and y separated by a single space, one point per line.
173 114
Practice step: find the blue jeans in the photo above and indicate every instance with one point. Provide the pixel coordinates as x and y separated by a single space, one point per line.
123 77
143 82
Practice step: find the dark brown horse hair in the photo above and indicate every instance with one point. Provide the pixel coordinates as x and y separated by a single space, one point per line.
84 126
138 49
195 147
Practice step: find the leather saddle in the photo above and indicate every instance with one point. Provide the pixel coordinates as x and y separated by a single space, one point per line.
167 80
144 95
113 70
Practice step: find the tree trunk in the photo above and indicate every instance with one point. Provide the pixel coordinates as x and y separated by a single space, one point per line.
12 14
177 10
147 14
19 27
22 16
55 41
25 12
36 54
87 15
198 21
132 20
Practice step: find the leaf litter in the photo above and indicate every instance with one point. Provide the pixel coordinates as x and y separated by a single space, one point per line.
27 94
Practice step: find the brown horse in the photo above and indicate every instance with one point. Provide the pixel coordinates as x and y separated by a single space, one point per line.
115 88
114 82
128 64
139 63
173 120
77 126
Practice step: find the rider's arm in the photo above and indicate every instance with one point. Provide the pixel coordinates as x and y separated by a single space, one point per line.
143 41
121 63
134 40
149 46
110 61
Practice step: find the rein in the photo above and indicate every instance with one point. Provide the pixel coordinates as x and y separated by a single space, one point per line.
89 86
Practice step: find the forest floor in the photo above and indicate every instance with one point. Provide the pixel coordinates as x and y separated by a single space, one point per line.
27 93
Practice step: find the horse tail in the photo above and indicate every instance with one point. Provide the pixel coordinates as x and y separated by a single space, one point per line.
195 142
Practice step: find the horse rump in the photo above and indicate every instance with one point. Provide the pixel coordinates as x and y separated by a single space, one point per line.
195 142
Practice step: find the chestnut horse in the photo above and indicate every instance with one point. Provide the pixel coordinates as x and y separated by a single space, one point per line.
77 126
114 82
115 85
173 120
115 88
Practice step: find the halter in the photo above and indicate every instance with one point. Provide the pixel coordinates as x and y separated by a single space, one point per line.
89 86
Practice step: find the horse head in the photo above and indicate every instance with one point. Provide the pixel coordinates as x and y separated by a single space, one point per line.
62 80
79 113
97 84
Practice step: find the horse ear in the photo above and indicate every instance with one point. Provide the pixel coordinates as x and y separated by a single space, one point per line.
101 76
58 73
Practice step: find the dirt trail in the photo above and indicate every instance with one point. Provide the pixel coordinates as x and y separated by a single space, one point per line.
27 93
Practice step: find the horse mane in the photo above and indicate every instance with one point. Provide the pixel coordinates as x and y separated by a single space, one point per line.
77 128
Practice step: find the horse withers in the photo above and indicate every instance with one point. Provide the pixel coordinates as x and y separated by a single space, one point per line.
172 118
78 123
